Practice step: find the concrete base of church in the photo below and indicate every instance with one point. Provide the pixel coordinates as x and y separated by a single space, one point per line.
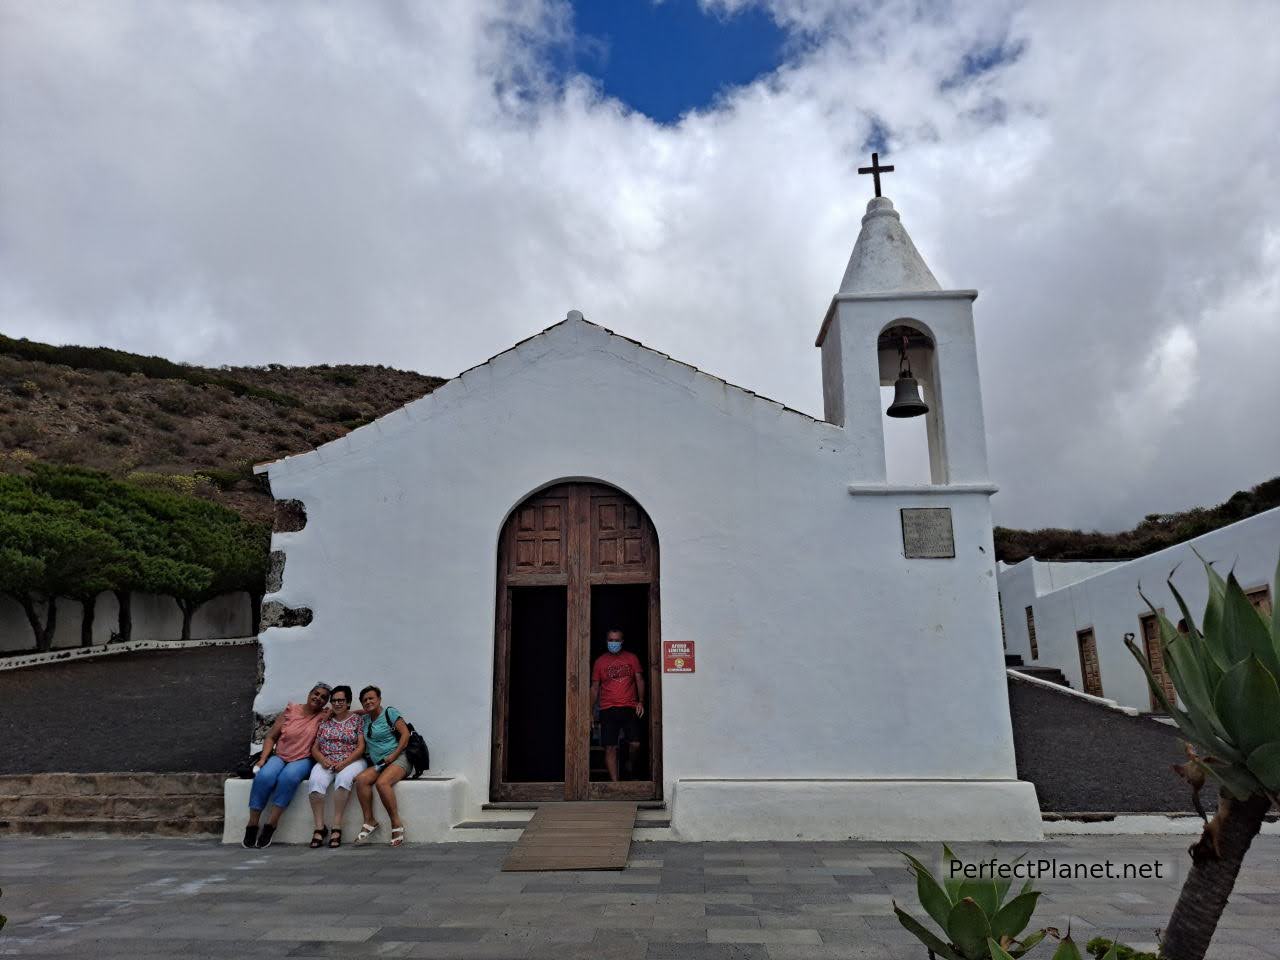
856 810
952 810
429 807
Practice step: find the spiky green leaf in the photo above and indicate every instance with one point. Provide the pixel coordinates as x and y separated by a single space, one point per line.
1244 630
968 929
950 883
1264 763
983 893
1014 916
932 896
1027 943
1212 628
1067 950
1248 702
1234 779
926 936
998 952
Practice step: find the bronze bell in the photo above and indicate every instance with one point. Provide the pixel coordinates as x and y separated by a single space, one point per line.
907 401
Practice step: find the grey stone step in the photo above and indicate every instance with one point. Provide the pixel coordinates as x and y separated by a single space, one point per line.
106 806
651 823
115 826
111 784
535 804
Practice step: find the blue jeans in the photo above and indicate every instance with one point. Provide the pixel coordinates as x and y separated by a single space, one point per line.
277 781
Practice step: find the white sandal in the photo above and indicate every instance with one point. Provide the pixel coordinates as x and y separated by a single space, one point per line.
367 830
397 840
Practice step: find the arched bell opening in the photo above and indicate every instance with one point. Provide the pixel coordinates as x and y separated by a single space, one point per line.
575 560
911 418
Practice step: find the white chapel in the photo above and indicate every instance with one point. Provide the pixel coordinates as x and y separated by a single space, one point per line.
821 648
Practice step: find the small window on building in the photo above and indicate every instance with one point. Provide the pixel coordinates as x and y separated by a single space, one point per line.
1031 634
1260 597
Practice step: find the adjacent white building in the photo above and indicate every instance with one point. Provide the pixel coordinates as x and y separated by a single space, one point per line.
1074 616
842 674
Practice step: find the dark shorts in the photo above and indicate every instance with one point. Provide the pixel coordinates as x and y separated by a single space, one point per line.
618 721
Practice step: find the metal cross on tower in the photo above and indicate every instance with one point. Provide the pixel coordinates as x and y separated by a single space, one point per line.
875 170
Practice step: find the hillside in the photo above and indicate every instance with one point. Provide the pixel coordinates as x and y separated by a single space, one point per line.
199 430
191 429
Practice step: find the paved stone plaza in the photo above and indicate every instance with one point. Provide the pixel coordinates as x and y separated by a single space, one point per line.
197 899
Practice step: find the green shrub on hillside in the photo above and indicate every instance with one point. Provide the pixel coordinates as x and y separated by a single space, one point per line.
1156 532
119 361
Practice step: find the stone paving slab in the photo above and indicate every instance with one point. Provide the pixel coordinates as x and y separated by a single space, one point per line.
716 901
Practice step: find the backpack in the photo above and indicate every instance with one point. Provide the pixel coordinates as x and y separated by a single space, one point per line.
415 751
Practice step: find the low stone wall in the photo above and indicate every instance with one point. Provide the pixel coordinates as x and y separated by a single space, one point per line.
154 618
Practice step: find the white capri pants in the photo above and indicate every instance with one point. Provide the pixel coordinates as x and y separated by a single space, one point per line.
321 778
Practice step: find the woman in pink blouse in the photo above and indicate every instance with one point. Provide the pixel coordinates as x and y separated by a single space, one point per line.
339 756
286 761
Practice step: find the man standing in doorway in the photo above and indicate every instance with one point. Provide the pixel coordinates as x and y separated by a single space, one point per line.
618 680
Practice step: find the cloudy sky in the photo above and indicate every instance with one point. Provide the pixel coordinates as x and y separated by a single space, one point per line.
421 184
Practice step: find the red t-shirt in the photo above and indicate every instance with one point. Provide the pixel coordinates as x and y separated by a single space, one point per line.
616 674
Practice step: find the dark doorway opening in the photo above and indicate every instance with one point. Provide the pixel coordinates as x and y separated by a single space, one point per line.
536 685
622 607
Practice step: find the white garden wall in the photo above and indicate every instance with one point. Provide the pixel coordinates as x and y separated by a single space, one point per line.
1108 601
154 618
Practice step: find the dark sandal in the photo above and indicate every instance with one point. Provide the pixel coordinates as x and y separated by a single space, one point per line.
335 838
318 837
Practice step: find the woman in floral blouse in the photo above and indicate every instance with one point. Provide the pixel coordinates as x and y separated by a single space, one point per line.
339 756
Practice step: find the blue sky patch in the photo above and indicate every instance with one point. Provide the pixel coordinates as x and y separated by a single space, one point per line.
664 59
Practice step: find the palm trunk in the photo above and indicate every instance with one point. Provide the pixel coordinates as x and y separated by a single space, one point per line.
89 605
1214 868
125 601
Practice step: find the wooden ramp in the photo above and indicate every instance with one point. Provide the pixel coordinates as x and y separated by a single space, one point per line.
575 836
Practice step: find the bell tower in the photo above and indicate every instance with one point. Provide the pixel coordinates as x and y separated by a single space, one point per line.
891 323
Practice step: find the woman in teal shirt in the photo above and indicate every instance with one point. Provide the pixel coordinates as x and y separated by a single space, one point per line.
385 735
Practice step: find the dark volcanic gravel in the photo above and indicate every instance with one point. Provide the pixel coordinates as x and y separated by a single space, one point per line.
179 710
1083 757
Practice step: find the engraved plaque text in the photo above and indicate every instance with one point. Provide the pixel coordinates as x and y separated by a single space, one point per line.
926 532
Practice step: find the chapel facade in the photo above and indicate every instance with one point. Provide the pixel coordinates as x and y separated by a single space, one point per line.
840 665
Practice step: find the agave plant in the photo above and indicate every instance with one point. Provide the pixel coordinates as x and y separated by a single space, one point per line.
1067 950
970 913
1227 677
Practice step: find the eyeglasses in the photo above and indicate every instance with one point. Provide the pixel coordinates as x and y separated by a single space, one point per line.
337 699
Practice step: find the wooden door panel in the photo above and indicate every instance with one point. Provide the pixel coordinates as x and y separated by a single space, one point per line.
1090 671
575 535
620 536
538 537
1155 656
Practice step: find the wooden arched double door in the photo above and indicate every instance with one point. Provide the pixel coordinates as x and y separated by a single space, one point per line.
574 561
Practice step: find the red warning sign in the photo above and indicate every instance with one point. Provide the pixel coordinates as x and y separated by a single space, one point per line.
677 656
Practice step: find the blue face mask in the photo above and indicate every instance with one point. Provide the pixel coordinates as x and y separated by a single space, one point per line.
615 646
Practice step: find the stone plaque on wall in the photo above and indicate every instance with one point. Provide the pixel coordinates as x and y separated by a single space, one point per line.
927 533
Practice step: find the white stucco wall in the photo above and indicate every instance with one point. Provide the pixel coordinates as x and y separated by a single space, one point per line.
822 652
1108 601
154 618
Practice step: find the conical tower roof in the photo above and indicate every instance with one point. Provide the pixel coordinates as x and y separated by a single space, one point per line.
884 260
